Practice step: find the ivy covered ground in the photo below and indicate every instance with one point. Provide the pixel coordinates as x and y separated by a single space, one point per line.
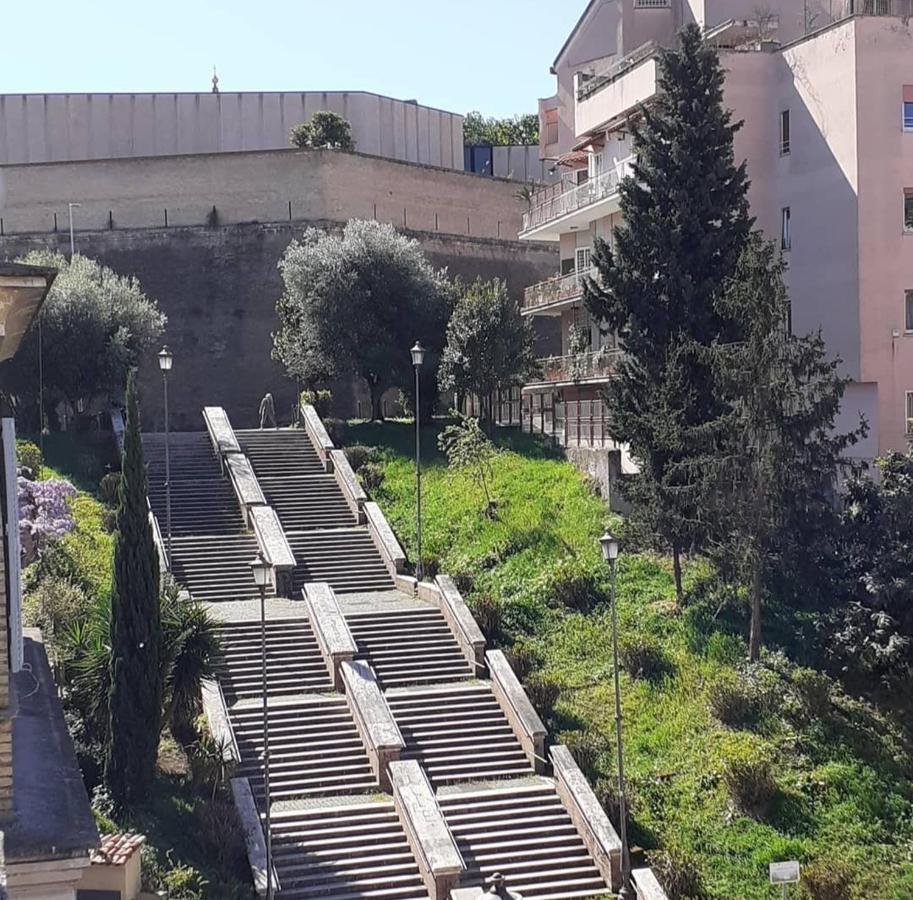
730 767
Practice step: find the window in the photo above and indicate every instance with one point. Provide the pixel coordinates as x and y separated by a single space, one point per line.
786 237
908 115
908 209
784 132
583 259
909 412
551 126
908 311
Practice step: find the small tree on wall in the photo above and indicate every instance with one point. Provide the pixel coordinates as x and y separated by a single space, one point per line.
490 346
135 698
323 131
354 303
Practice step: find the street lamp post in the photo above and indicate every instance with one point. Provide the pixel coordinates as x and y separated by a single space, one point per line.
418 357
165 362
610 554
262 570
70 208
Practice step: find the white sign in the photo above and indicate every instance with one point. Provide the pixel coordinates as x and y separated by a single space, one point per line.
784 872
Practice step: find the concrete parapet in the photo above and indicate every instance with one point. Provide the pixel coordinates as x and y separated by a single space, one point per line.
465 630
220 431
348 484
313 425
243 480
439 860
216 712
334 639
274 546
646 885
253 835
523 718
384 539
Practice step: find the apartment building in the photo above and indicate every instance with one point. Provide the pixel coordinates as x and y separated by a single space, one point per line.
825 90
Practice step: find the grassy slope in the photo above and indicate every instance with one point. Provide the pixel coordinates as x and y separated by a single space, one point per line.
845 786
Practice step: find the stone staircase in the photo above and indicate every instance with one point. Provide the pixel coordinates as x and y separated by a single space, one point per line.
345 558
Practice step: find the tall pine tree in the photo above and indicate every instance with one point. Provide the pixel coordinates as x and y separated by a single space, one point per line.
135 698
686 223
778 452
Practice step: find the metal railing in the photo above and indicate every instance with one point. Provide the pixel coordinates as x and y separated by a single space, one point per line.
557 290
563 198
578 366
569 423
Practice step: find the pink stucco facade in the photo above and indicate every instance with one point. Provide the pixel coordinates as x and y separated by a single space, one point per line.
841 76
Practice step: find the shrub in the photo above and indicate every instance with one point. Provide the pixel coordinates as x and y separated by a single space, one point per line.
52 605
570 585
29 456
431 566
828 880
321 400
108 488
543 693
464 581
523 659
732 700
814 692
642 657
487 612
222 835
677 872
325 130
748 775
359 455
586 747
371 476
336 429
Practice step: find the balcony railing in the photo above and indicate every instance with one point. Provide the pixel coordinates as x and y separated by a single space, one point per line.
591 366
563 198
556 290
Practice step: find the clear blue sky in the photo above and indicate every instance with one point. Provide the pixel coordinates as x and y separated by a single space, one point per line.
491 55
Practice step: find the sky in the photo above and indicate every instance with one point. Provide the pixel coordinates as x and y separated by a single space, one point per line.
458 55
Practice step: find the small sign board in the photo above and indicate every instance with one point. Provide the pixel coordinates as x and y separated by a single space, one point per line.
784 872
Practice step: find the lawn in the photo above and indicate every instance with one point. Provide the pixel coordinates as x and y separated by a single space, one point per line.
830 773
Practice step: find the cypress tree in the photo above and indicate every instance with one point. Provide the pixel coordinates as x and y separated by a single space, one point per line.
135 698
686 222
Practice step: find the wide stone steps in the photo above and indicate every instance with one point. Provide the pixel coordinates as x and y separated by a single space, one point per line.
308 501
346 852
279 452
216 567
346 558
409 646
315 749
202 501
525 833
293 661
458 735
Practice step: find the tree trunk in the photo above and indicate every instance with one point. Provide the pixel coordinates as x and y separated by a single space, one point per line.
677 572
754 636
377 407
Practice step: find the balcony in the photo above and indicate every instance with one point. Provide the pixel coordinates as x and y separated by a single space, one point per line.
565 206
550 297
577 368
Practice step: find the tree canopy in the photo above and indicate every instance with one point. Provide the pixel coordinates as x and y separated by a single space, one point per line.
355 302
490 346
323 131
94 325
479 130
686 223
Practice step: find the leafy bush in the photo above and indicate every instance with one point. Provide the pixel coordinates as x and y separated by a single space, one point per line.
732 700
748 775
321 400
323 131
523 659
587 747
466 446
828 880
813 690
359 455
371 476
28 455
222 835
108 488
52 605
487 612
677 872
464 581
574 586
431 566
543 693
336 429
642 657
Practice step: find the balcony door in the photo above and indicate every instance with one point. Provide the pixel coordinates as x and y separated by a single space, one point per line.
582 262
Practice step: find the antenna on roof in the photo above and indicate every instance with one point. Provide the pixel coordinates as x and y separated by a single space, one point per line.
215 80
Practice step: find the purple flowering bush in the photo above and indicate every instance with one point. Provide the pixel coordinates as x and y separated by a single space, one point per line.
45 515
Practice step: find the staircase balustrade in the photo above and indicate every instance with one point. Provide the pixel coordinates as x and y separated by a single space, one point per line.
440 862
646 886
157 538
220 432
274 546
313 425
384 539
348 484
216 711
588 815
523 718
375 723
334 639
253 835
444 594
247 488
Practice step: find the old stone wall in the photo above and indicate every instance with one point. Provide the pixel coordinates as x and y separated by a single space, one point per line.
218 287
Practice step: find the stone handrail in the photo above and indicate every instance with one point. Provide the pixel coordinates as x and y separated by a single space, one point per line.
333 636
384 539
348 484
216 711
588 816
466 632
243 480
253 835
439 860
318 435
375 723
274 546
523 718
157 539
646 886
221 434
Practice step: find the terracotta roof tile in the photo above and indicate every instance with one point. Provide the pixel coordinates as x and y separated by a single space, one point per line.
116 849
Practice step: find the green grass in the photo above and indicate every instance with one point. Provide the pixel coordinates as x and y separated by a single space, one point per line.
844 779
